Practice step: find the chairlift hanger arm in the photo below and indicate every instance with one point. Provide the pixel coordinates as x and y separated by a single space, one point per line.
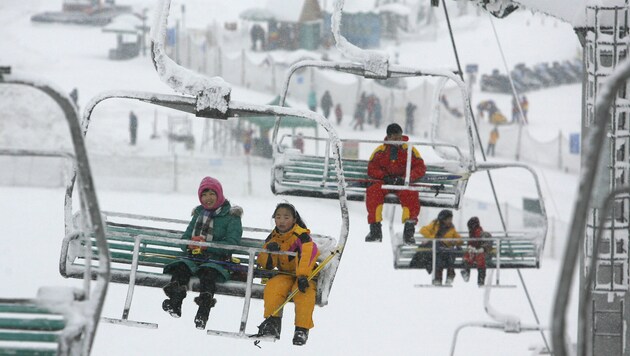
86 186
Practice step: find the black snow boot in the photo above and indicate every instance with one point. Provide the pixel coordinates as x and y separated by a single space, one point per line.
205 303
176 294
410 227
300 336
376 234
271 327
481 276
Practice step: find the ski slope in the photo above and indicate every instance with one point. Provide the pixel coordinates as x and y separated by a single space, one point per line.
374 309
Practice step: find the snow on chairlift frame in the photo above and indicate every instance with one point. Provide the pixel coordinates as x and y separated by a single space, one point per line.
210 99
78 340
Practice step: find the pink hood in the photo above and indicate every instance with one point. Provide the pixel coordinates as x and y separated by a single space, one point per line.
215 186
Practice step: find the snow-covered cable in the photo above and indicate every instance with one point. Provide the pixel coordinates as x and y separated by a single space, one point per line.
516 99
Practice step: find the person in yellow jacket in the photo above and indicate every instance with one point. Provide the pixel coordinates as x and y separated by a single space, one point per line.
442 228
290 234
492 141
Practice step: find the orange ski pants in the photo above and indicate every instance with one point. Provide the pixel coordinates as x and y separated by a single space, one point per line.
278 289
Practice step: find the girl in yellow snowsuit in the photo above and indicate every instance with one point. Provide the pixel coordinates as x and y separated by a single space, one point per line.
292 235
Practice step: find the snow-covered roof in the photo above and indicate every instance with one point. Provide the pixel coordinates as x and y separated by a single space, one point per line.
396 8
125 23
283 10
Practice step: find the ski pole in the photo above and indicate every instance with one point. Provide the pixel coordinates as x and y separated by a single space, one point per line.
310 277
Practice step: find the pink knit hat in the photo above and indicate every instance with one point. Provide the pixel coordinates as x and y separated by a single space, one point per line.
215 186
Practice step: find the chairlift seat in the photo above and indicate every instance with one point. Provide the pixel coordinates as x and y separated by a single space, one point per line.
154 254
307 175
517 250
27 328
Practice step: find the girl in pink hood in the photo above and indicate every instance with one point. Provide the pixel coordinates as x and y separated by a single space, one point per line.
212 221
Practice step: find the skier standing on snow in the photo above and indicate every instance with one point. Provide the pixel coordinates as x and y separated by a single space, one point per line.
338 113
326 103
215 220
133 128
442 228
492 141
378 113
475 255
290 234
409 120
312 100
387 165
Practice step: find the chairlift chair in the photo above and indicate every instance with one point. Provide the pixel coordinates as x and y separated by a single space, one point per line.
60 320
141 245
443 185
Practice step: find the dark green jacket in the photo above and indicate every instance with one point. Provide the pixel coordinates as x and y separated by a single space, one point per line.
226 229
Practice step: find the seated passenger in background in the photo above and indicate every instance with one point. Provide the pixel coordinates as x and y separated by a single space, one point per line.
475 255
442 228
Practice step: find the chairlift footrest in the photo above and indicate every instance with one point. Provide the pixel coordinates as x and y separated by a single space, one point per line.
132 323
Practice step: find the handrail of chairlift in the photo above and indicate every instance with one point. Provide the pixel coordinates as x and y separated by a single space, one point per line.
541 200
592 154
82 169
413 143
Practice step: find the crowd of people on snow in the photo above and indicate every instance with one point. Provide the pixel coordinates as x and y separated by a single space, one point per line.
367 111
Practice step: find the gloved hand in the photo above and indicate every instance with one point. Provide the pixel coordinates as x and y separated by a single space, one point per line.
302 283
273 246
197 249
394 180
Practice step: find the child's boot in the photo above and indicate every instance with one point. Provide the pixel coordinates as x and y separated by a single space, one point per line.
437 281
481 276
271 327
300 336
176 294
376 234
410 227
205 303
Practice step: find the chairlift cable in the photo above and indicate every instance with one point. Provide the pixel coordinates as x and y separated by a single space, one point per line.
483 155
514 93
520 109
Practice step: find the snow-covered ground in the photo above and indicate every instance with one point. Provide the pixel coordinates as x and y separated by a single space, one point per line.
373 309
